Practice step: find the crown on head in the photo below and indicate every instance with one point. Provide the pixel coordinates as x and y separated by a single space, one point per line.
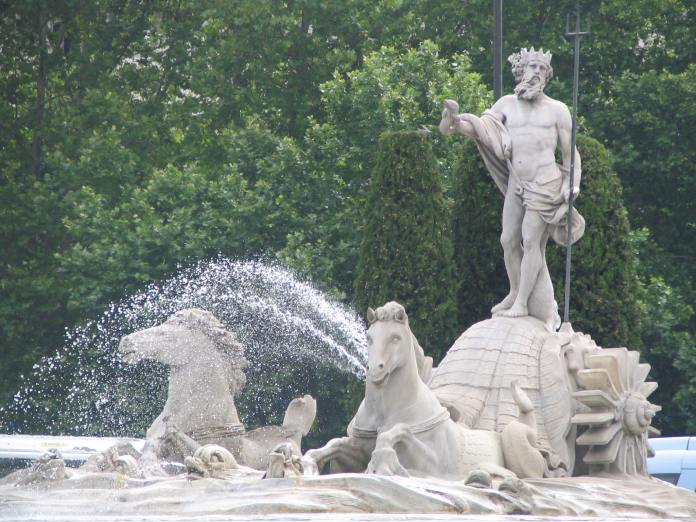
537 56
521 59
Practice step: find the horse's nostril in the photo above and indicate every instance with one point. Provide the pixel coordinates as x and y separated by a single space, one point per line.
381 366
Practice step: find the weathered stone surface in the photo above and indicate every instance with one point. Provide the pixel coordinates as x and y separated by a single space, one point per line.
206 370
401 428
474 378
344 493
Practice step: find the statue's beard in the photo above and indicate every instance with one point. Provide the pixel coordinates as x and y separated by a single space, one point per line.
530 88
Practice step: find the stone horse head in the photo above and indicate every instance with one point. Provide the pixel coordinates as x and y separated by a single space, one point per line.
206 364
392 346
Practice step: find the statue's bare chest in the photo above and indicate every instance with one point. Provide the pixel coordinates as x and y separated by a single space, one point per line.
530 117
532 129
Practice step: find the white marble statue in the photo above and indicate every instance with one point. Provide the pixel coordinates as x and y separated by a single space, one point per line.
402 429
517 139
206 370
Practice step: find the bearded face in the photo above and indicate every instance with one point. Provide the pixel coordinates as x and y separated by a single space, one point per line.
533 81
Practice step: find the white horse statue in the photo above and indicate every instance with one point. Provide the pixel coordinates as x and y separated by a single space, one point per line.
206 370
402 429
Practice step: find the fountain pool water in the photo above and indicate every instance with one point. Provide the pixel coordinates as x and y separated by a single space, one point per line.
295 339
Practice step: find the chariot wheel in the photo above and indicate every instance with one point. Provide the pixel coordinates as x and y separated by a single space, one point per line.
619 414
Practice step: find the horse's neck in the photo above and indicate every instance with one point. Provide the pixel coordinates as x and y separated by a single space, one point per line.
199 395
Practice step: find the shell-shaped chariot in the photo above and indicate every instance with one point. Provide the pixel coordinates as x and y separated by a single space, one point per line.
584 396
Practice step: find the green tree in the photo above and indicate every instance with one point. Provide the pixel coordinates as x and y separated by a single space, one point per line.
406 252
669 343
53 54
604 285
178 216
476 227
650 129
393 90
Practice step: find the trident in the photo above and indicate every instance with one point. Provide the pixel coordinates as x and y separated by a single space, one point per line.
576 35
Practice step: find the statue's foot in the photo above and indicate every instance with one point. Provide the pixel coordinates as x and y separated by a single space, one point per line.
504 304
516 310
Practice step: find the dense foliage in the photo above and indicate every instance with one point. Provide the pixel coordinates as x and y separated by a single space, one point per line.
406 251
476 228
604 286
136 136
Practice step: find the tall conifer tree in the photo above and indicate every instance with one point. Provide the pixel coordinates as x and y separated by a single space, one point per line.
406 252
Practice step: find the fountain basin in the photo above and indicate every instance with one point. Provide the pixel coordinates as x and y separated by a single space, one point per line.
241 492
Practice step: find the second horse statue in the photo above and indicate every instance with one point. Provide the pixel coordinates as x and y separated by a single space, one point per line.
402 429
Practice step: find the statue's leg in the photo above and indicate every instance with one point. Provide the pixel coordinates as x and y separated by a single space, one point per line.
551 318
385 461
511 240
533 229
541 303
150 459
351 454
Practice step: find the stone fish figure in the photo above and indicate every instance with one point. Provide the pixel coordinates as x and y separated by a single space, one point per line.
402 429
517 139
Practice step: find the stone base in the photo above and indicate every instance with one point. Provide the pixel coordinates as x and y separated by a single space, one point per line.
113 495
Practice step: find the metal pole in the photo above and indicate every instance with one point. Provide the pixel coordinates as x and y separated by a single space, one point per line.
573 135
497 49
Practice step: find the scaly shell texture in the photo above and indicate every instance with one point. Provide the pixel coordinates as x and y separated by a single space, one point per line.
473 381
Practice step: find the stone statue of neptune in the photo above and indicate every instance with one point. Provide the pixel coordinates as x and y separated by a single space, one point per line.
517 139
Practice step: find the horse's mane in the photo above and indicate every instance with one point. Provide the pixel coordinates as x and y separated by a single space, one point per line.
393 311
223 340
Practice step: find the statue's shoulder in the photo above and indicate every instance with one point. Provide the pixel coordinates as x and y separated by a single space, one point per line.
504 102
556 105
502 108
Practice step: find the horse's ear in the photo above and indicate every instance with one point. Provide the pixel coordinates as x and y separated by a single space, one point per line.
371 317
400 315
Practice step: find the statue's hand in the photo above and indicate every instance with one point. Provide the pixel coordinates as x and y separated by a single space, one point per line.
566 193
446 126
450 115
452 106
